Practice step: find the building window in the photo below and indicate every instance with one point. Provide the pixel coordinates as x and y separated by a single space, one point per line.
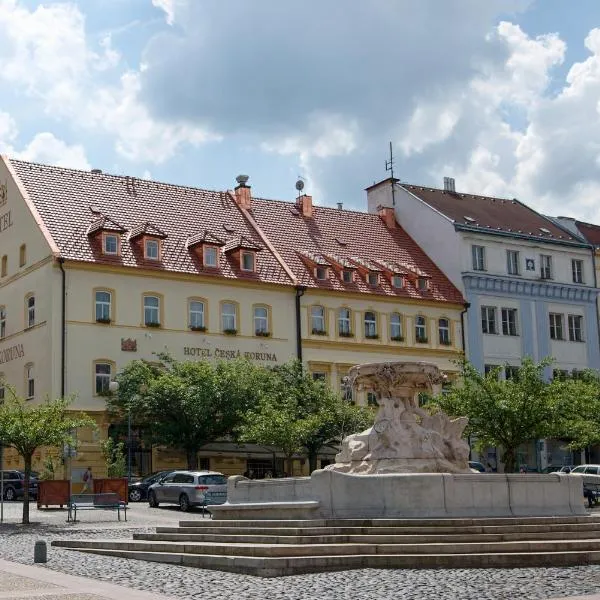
317 320
261 320
319 376
344 322
420 329
371 325
247 261
229 317
111 244
423 284
556 326
347 276
487 369
22 255
512 262
444 331
373 278
396 328
509 321
2 322
210 256
372 399
575 328
103 375
103 302
151 251
511 372
30 311
488 319
151 311
196 315
321 273
546 266
4 267
29 381
577 270
398 281
478 255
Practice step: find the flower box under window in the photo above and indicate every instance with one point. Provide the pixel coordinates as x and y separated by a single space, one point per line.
197 328
262 333
230 331
346 334
316 331
397 338
421 339
154 324
372 336
103 320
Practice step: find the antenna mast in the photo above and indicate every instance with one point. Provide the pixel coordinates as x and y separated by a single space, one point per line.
389 166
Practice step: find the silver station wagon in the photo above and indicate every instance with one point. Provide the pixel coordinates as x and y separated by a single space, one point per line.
189 488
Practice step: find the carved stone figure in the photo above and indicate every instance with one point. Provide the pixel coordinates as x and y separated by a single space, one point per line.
404 438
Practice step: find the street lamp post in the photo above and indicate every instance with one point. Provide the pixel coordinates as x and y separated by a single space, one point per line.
113 386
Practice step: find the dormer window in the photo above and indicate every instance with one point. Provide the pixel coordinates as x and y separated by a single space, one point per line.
210 256
373 278
151 249
321 273
247 261
423 283
397 281
347 276
111 243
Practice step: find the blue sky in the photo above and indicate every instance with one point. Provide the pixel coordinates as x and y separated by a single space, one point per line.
503 95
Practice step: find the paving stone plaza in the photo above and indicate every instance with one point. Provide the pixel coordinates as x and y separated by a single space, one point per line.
17 543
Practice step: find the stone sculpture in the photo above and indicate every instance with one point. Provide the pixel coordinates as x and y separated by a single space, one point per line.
404 438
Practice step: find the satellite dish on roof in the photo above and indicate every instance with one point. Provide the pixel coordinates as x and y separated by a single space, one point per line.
300 185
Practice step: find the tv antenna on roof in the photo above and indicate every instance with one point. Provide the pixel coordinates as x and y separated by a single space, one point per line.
300 185
389 166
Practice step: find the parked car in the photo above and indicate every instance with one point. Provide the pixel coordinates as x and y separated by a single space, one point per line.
566 469
477 466
14 485
189 488
586 469
138 490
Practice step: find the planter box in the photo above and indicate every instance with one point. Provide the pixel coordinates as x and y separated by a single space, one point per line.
119 486
53 492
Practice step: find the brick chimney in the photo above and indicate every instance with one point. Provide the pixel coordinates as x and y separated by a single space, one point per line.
387 216
243 197
305 205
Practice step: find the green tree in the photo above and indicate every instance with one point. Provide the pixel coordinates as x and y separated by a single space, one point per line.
114 456
506 413
27 427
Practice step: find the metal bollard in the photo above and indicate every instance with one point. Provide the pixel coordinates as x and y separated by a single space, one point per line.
40 552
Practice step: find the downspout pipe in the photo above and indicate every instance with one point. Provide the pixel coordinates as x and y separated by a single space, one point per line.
300 290
63 326
467 305
594 248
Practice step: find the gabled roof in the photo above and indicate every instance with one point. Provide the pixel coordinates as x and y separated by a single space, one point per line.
590 232
147 229
241 242
205 237
67 199
486 214
104 223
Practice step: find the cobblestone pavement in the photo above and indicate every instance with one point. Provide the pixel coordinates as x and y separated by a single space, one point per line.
17 541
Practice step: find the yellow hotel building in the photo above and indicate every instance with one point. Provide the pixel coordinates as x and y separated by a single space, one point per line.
97 270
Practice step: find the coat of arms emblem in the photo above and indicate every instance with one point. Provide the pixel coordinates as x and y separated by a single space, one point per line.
128 345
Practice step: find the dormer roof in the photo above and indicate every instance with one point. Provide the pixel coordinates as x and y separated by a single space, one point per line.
241 242
148 229
205 237
104 223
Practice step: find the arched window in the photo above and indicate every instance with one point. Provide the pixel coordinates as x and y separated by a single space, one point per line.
30 307
370 325
29 381
103 300
396 327
444 331
317 320
151 311
344 322
22 255
229 317
196 315
420 329
261 320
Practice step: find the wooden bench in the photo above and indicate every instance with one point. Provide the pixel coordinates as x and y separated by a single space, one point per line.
104 501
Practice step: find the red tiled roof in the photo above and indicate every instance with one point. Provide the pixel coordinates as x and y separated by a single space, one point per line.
105 223
147 229
241 242
590 232
205 237
348 234
69 201
490 214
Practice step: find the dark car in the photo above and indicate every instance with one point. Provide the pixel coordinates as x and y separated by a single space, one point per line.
138 490
476 466
14 485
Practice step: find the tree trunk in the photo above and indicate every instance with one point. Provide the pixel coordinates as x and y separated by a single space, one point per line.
192 459
510 460
312 459
27 460
290 465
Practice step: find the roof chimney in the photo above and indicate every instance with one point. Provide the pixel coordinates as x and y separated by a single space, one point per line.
340 205
305 205
449 185
97 171
387 216
242 192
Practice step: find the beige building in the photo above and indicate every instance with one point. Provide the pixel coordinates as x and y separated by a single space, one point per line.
98 270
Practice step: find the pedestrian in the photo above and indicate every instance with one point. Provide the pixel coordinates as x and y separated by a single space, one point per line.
88 481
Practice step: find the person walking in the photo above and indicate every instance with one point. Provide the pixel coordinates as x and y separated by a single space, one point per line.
88 481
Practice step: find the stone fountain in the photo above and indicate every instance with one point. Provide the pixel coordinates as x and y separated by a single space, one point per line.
408 464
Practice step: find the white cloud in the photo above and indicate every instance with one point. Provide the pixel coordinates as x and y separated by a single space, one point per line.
8 132
46 148
169 7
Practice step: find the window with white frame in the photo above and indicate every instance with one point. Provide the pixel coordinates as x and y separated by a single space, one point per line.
30 311
511 372
228 316
151 249
344 322
210 256
261 320
321 273
545 266
247 261
103 375
556 326
513 265
151 311
488 319
478 256
577 270
423 283
420 329
30 381
370 324
347 276
444 331
509 321
317 319
396 327
111 244
103 306
398 281
575 328
196 314
2 322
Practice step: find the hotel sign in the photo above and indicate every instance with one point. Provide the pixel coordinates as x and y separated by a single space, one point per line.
228 354
11 353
